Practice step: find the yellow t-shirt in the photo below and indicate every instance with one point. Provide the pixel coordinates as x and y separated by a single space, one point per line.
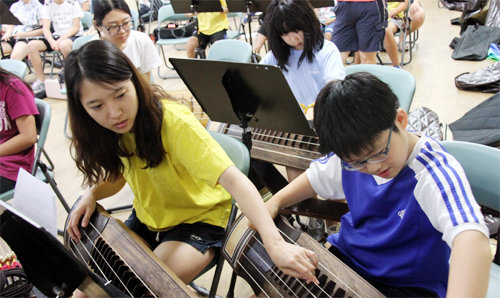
183 188
392 5
212 22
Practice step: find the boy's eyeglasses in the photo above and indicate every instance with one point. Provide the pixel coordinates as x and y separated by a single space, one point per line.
379 157
113 30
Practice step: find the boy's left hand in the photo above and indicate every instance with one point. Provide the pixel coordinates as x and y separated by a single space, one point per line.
294 260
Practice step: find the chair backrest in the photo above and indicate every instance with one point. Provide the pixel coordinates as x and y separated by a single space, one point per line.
16 67
135 17
87 20
482 167
401 82
42 127
166 13
235 149
80 41
230 50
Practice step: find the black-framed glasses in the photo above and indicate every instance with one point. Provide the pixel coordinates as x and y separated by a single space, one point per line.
379 157
113 30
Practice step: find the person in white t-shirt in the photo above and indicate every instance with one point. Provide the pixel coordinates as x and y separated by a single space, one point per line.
14 40
64 16
113 21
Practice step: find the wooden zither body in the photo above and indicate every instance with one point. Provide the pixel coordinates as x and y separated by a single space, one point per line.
243 249
281 148
120 257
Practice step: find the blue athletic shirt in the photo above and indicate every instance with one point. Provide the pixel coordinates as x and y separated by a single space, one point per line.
399 231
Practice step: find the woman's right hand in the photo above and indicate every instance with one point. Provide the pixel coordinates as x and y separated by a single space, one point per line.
85 209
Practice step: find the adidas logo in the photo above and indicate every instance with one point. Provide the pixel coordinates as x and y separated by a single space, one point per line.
402 213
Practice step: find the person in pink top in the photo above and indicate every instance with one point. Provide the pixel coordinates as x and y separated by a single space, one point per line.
17 128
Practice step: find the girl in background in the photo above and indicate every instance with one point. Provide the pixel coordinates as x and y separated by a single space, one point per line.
113 22
298 47
126 131
17 128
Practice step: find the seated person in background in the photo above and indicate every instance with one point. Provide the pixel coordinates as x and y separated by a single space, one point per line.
298 47
359 26
326 16
17 128
113 22
182 179
14 41
212 26
417 15
414 227
396 11
64 16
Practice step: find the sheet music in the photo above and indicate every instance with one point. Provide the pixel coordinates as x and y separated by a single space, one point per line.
36 200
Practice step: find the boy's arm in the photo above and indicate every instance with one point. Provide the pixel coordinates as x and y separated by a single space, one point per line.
296 191
75 28
469 265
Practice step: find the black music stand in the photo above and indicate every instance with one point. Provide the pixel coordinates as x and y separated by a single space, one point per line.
246 94
7 18
48 264
194 6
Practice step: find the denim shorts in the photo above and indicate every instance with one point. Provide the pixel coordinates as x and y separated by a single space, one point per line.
201 236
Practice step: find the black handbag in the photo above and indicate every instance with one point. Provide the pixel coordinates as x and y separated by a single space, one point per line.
173 31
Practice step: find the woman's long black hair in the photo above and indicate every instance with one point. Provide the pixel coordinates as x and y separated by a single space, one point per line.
285 16
97 150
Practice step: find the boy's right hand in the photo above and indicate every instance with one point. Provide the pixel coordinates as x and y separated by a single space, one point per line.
85 209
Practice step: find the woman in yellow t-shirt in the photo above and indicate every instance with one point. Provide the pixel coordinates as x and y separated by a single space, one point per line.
123 132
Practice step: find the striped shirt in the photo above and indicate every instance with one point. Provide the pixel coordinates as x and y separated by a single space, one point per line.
399 231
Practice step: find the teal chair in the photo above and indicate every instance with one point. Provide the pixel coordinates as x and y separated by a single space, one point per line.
166 14
16 67
482 167
87 20
235 34
240 156
401 82
135 17
230 50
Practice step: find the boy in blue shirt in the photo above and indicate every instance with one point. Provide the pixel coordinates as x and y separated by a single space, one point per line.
414 227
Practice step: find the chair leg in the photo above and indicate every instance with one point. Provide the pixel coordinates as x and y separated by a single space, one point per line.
162 53
66 125
51 166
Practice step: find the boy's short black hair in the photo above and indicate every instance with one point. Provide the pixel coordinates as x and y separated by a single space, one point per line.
350 114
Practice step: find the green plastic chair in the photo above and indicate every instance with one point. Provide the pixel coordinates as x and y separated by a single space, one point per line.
135 17
482 167
230 50
401 82
166 14
235 34
16 67
87 20
240 156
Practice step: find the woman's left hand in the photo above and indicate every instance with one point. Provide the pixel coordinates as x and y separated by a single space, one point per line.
294 260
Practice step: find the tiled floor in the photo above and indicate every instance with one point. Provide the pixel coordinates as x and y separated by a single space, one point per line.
432 67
